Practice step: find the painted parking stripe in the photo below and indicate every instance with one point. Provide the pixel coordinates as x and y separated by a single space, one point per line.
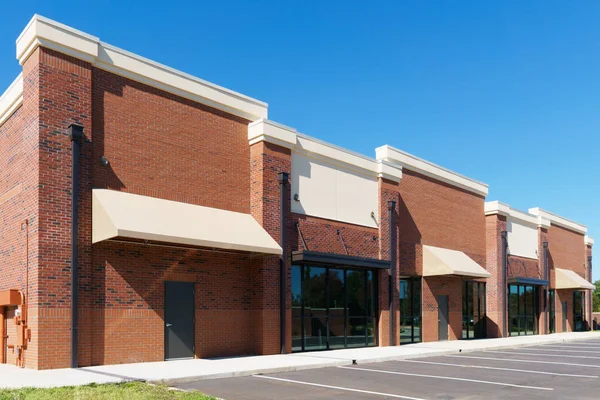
527 361
500 369
559 350
572 347
450 378
539 354
396 396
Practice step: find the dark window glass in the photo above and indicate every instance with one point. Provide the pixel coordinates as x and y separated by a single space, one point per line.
333 308
552 311
355 279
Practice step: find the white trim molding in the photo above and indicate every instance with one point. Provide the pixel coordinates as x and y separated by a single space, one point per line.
559 221
272 132
398 157
497 207
589 241
41 31
11 99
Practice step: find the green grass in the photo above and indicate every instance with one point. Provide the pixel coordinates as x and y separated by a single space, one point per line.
116 391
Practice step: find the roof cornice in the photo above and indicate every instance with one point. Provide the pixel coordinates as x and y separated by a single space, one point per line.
589 240
11 99
41 31
413 163
285 136
559 221
499 208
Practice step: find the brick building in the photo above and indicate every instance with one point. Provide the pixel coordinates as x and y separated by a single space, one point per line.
190 225
543 271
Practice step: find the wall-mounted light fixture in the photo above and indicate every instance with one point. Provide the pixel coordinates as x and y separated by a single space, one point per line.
296 197
104 161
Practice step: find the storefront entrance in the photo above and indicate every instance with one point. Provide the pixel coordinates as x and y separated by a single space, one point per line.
473 310
410 310
523 310
333 307
579 324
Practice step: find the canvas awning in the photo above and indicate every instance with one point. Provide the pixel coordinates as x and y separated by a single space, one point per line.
124 215
440 261
566 279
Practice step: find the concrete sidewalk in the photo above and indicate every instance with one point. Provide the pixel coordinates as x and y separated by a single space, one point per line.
171 372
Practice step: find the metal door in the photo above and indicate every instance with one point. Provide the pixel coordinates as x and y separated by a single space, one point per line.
564 316
179 320
443 312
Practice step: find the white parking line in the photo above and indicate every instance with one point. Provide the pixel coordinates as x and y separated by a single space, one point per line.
553 346
498 368
560 350
527 361
396 396
447 378
539 354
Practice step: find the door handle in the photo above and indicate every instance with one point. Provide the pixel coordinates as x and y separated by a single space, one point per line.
169 325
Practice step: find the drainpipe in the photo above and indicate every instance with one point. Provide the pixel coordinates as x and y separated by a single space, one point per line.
283 179
392 209
505 268
547 291
76 136
591 298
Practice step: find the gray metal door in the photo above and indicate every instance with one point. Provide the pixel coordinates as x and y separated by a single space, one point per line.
179 320
564 315
443 312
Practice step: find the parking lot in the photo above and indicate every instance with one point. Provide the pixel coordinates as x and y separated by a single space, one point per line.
550 371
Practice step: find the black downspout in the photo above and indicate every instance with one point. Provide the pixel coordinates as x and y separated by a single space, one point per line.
76 136
505 268
547 291
392 210
283 179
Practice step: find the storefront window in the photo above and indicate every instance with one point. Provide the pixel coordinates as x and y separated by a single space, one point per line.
522 309
410 310
332 308
474 316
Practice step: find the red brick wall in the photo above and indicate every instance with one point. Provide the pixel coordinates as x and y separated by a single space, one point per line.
437 214
165 146
566 250
524 267
442 285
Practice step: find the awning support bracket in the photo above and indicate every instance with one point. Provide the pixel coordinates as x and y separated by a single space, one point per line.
339 233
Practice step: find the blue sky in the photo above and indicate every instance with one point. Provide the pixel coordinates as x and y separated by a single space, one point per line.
505 92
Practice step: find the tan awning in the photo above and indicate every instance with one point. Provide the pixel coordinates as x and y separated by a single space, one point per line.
440 261
125 215
566 279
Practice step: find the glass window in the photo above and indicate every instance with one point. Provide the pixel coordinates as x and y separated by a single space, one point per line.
410 310
523 309
474 313
333 307
552 311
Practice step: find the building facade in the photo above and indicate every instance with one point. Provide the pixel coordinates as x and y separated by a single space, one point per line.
543 271
149 215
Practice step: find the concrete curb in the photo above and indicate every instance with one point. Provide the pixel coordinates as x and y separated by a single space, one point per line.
258 371
346 362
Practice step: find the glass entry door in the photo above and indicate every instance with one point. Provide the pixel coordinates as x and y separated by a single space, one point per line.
333 307
474 317
522 310
578 311
552 311
410 310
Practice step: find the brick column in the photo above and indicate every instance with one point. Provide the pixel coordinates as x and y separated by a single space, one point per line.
266 161
543 322
388 191
589 301
58 93
496 285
